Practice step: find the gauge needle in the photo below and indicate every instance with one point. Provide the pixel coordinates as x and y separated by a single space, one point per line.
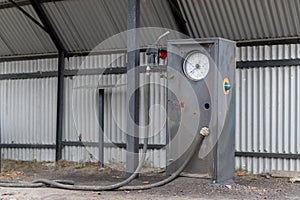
195 67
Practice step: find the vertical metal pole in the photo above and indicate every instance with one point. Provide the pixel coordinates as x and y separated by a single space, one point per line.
36 4
147 102
0 150
60 105
101 131
132 85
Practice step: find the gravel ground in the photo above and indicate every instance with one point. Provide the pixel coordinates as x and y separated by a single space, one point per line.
246 186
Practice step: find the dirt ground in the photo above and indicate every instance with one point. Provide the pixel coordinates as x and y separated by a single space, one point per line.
246 186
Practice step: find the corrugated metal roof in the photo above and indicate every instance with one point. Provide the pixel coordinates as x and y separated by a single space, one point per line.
83 24
242 20
19 35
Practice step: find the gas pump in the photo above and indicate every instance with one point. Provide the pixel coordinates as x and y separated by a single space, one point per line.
200 114
203 70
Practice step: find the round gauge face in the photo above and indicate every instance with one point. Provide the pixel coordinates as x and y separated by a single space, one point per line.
196 65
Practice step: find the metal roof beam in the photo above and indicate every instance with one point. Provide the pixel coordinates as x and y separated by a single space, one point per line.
28 15
47 24
180 21
23 3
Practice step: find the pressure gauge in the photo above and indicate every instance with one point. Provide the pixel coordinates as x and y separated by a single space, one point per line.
196 65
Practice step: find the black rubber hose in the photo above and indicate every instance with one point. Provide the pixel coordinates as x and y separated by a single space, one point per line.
20 184
41 182
66 184
7 183
70 186
199 139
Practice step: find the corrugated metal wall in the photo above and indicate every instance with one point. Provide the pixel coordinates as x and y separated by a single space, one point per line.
268 109
82 110
28 110
28 116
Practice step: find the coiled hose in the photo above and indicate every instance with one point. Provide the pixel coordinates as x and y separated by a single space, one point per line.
62 184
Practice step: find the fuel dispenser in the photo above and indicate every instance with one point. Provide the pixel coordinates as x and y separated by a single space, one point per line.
200 114
201 98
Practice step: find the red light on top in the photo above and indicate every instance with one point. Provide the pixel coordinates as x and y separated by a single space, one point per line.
163 54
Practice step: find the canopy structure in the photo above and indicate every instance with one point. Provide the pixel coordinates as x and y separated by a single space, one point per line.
83 24
62 28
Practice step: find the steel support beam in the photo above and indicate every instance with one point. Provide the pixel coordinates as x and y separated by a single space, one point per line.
29 146
133 56
33 75
101 130
60 105
268 63
110 145
267 155
5 5
54 55
28 15
61 68
0 150
47 24
272 41
80 72
180 22
99 71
